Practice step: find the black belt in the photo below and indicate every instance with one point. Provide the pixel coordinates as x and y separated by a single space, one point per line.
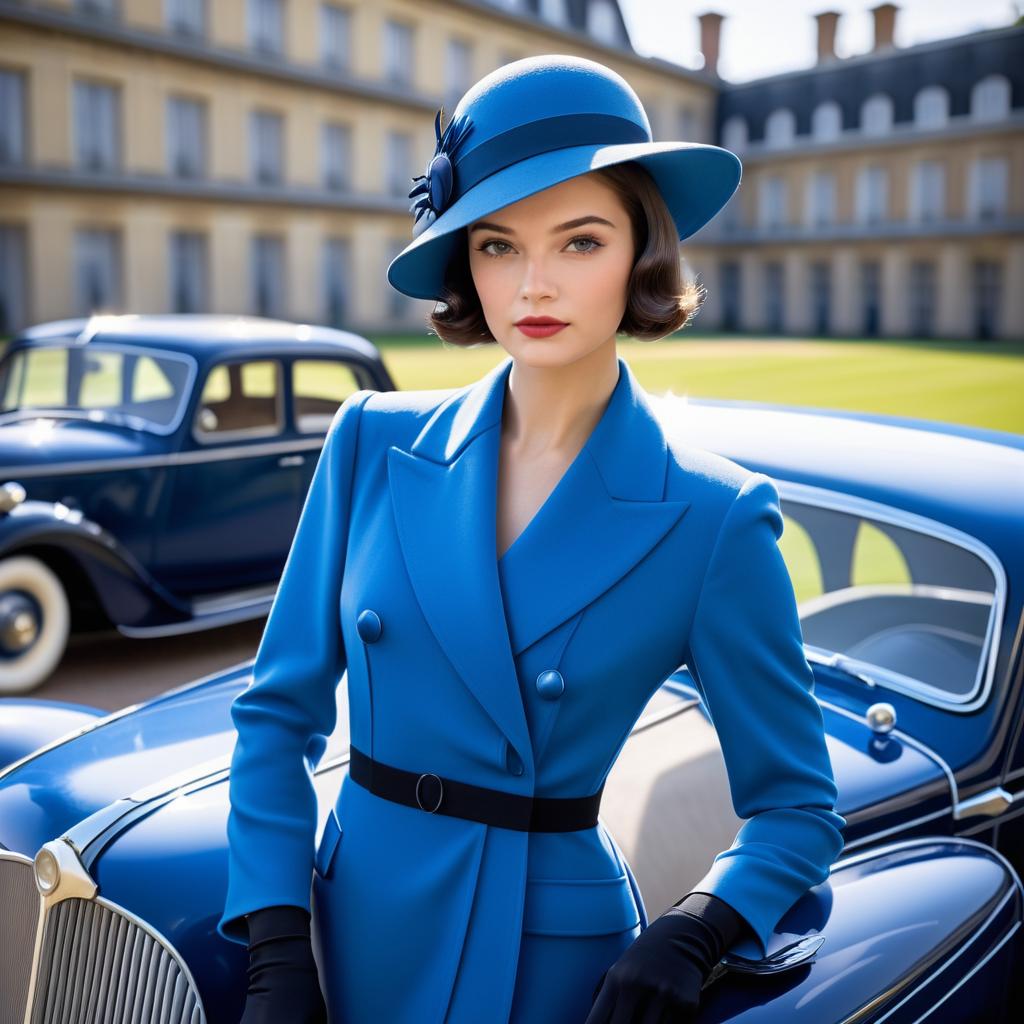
434 794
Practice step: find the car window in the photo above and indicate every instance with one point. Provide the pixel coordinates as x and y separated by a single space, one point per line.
99 381
319 386
150 382
38 378
916 609
240 399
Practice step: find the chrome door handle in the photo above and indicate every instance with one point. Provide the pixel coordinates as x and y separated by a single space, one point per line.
291 460
991 804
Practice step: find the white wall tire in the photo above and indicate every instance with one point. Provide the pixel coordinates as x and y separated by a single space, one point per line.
23 669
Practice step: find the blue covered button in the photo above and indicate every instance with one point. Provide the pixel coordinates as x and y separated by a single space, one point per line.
368 626
550 684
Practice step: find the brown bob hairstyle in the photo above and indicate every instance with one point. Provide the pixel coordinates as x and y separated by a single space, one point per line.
660 300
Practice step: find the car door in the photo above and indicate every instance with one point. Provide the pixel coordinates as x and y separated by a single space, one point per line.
235 494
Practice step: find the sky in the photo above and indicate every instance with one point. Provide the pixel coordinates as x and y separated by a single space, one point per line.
764 37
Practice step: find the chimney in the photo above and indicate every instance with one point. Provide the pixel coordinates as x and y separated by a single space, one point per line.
710 32
827 22
885 26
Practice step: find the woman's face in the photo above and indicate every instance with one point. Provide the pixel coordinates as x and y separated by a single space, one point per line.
566 253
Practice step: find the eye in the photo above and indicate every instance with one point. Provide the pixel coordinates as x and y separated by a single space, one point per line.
594 246
494 241
586 238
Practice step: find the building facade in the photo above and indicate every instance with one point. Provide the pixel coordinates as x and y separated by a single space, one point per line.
255 156
882 194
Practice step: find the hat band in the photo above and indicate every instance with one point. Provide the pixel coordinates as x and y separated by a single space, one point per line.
542 136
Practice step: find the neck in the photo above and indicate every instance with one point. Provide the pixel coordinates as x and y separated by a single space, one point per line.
552 408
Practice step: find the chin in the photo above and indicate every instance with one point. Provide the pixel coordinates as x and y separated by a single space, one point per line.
546 352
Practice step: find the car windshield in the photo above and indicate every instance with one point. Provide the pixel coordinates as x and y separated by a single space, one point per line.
907 607
139 388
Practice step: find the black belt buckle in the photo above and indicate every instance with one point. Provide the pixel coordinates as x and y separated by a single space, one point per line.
440 795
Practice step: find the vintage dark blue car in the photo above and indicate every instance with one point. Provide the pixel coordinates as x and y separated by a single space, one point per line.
152 470
904 541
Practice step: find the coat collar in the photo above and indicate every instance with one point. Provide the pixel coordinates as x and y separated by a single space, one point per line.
604 515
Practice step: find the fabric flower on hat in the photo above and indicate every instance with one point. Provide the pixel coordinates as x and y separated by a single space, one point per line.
432 191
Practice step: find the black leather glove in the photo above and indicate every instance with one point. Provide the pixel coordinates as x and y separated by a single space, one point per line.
658 979
283 980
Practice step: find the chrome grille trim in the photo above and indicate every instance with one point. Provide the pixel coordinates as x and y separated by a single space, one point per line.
20 901
98 959
78 958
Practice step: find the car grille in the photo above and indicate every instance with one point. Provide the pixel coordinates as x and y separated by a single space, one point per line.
20 898
96 961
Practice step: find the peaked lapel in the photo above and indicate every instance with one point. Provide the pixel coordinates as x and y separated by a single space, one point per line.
603 516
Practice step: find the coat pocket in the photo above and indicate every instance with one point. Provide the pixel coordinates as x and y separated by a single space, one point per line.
579 906
328 845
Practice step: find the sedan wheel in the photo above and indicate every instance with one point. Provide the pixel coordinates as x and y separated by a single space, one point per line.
35 620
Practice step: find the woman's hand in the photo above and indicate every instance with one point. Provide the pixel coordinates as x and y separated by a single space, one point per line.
658 979
283 981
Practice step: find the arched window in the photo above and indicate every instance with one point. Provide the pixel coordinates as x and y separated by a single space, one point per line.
820 199
780 128
772 201
988 188
931 107
876 114
826 121
871 198
554 11
734 133
602 23
688 124
990 98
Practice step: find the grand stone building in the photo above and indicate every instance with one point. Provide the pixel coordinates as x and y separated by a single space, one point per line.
882 194
255 156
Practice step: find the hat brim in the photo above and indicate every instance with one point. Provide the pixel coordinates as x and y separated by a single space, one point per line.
695 179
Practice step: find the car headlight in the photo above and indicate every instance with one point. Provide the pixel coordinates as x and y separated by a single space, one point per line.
47 871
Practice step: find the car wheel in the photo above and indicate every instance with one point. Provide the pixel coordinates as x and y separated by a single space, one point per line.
35 620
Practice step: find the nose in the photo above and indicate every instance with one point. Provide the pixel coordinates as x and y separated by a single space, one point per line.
537 282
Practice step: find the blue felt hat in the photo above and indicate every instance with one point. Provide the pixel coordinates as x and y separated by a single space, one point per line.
529 125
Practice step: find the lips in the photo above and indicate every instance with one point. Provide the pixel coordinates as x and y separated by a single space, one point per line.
542 329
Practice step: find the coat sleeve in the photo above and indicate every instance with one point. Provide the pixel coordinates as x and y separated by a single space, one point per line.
746 655
285 715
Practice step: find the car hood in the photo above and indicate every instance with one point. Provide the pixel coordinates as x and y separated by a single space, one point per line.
32 441
188 733
48 793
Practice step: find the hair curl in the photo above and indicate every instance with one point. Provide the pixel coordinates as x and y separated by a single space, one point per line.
659 300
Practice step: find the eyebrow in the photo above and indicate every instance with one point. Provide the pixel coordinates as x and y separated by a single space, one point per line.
590 218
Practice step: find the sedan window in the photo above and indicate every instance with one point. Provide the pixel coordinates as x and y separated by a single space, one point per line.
145 389
240 399
914 610
319 386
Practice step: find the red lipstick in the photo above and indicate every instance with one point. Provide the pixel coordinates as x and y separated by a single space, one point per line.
540 326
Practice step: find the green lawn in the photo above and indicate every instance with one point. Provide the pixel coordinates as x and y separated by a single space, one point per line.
977 383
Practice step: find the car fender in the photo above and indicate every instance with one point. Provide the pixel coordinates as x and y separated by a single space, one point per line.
127 593
26 724
905 927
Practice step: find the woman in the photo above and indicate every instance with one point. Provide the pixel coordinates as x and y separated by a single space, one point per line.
508 571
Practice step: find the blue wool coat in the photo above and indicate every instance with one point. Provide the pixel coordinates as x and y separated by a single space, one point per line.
524 674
